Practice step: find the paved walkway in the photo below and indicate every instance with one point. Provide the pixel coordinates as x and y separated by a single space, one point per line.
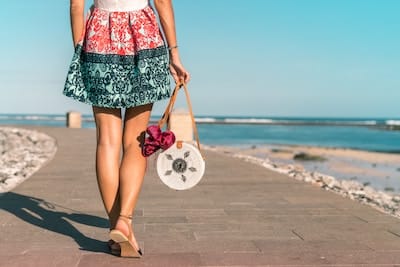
240 214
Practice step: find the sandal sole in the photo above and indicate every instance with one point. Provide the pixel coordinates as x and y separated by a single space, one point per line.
127 249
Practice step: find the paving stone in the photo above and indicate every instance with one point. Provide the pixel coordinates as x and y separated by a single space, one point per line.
159 219
361 232
361 257
296 219
183 236
41 257
197 227
209 219
277 233
264 259
203 246
166 259
383 245
281 211
183 212
373 216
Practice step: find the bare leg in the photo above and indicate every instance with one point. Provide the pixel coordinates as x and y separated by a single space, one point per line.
133 165
109 142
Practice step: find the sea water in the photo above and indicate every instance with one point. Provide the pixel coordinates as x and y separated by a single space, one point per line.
366 134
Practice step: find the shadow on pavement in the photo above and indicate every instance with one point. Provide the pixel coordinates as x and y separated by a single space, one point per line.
44 214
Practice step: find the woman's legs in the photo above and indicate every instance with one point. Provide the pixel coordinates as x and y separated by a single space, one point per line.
109 142
133 164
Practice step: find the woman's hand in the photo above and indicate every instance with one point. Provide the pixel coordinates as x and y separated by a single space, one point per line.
178 71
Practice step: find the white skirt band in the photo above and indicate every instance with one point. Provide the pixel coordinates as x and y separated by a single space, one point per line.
121 5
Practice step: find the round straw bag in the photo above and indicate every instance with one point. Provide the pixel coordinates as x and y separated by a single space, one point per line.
181 165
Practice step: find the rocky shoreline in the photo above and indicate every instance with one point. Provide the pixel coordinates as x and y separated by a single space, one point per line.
384 201
22 153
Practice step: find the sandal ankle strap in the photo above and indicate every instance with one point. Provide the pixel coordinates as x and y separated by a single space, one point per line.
126 216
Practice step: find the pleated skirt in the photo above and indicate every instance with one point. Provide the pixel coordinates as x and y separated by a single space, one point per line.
120 61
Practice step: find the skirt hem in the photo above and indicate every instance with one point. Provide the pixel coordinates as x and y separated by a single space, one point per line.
131 105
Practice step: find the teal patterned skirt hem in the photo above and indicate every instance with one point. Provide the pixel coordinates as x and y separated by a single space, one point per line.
119 81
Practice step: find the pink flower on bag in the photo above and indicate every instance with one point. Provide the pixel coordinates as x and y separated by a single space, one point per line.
157 139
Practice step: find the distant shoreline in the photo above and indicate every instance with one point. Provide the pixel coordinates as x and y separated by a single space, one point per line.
389 124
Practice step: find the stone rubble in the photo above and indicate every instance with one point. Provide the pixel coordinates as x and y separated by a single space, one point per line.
22 153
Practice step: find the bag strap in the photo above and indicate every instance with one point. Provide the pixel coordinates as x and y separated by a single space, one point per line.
170 106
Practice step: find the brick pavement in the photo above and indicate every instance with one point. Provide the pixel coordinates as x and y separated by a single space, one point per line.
239 215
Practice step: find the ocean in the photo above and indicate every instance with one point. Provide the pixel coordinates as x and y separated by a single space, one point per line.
369 134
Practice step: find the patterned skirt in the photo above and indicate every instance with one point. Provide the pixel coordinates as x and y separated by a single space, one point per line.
121 60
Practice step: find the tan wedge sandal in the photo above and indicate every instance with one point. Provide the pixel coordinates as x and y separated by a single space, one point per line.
128 249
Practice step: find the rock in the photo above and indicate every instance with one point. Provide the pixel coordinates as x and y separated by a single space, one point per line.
358 192
396 199
391 189
351 185
308 179
280 150
308 157
369 190
327 179
334 184
23 152
393 127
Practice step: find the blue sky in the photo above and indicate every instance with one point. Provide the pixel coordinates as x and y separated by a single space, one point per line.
334 58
